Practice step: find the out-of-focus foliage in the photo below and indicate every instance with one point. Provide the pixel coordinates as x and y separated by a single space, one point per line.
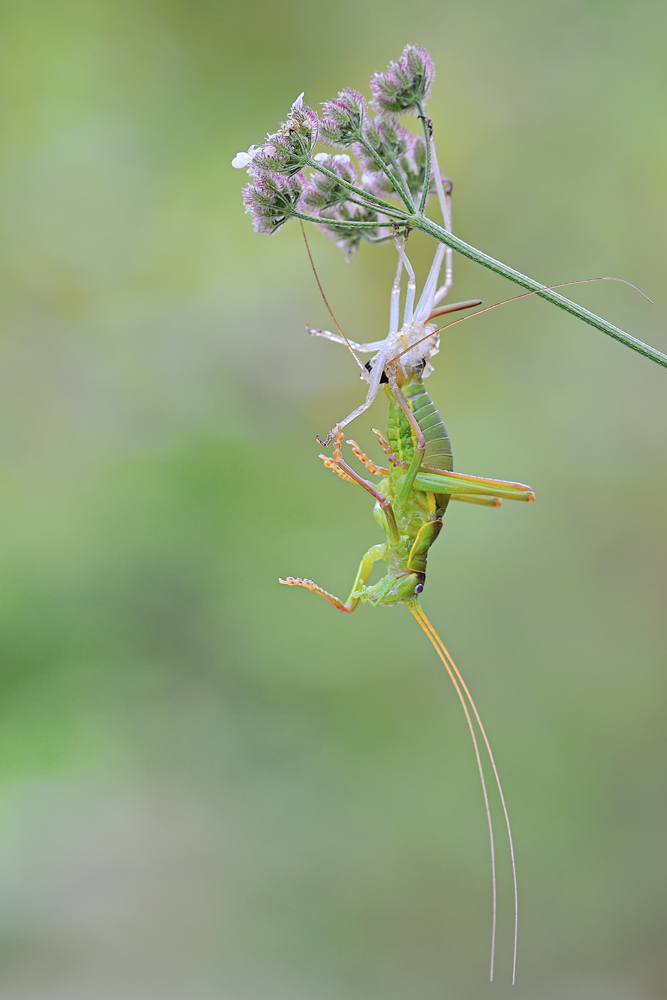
212 786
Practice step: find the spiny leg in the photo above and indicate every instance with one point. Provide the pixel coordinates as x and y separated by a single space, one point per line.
440 481
383 501
487 488
332 463
362 577
483 501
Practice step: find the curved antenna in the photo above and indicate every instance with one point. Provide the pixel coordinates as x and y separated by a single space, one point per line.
563 284
416 610
435 638
515 298
324 298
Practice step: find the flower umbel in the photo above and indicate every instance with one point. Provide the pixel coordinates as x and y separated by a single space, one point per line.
405 86
393 162
343 118
286 151
388 140
327 199
271 200
321 190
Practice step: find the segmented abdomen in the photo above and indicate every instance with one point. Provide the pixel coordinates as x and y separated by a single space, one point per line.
438 453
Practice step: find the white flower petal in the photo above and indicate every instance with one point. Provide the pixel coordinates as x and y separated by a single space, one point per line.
299 101
241 161
321 157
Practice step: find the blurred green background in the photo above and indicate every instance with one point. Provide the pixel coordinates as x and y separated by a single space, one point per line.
215 787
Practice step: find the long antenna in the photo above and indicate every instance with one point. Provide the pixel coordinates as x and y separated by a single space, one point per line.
563 284
515 298
426 626
324 298
433 635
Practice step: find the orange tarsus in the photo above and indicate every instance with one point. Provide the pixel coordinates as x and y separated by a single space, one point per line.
375 470
338 440
386 447
334 463
331 463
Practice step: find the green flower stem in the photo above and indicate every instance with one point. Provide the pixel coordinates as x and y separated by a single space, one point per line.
399 213
336 224
377 239
400 174
386 207
395 181
427 174
440 234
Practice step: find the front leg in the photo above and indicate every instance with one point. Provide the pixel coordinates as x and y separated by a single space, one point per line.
374 553
384 502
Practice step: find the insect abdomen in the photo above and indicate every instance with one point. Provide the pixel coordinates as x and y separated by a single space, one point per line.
438 453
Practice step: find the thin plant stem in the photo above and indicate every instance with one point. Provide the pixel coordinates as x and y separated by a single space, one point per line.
384 205
440 234
336 224
395 181
419 221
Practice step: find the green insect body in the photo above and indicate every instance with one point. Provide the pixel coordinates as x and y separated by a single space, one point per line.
401 436
419 515
410 501
411 497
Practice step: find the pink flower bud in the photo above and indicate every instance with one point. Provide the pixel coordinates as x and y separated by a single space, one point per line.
343 118
406 84
271 199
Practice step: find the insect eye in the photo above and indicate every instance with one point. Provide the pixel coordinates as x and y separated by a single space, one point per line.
419 588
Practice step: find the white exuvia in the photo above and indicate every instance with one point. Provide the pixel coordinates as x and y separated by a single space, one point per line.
413 344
